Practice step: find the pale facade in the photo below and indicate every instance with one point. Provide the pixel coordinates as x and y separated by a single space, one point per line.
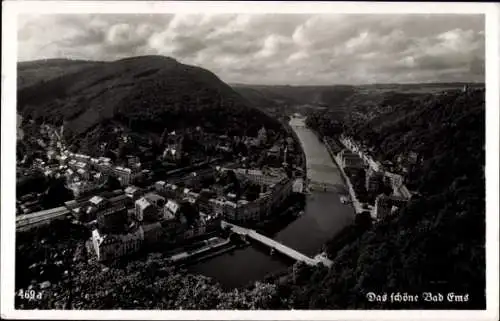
108 247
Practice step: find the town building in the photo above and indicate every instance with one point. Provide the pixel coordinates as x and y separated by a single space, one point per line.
145 210
97 202
230 210
250 211
280 192
274 151
119 200
171 212
104 165
112 219
133 192
217 206
261 177
81 158
251 142
386 206
99 178
124 175
85 214
173 151
212 222
155 199
191 197
160 186
63 159
80 188
152 232
196 230
350 160
374 180
262 136
133 161
298 185
84 174
112 246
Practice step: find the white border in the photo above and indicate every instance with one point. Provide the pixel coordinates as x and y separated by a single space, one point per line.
8 141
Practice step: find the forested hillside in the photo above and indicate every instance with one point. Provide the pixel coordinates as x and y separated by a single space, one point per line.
296 95
437 242
32 72
143 95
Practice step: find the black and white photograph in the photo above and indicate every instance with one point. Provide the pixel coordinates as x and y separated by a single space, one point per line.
195 157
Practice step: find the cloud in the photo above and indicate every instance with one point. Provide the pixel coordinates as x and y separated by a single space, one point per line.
274 48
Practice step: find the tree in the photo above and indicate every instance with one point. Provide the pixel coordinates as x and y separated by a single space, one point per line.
56 193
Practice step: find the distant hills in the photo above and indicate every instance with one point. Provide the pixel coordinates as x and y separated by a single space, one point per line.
142 94
338 96
296 95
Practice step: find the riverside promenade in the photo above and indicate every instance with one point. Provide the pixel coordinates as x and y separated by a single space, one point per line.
358 207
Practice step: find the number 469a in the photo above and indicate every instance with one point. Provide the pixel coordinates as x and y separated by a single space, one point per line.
29 294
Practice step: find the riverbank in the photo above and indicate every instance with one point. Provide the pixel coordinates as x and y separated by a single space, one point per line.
211 245
323 217
354 200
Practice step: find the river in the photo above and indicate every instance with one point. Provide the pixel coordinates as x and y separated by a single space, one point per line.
324 216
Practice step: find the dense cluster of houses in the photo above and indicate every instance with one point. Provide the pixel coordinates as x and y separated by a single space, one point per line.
355 159
124 223
216 201
84 173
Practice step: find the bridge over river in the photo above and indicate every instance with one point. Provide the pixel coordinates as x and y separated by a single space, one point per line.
324 216
245 232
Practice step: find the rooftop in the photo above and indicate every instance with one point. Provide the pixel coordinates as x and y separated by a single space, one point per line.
172 206
118 198
123 169
150 227
131 189
153 197
274 149
142 203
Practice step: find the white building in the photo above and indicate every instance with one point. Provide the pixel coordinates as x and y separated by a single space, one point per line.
257 176
124 175
97 202
133 192
145 210
298 185
171 209
111 246
83 173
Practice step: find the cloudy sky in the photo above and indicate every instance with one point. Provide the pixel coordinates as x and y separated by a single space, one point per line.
274 48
